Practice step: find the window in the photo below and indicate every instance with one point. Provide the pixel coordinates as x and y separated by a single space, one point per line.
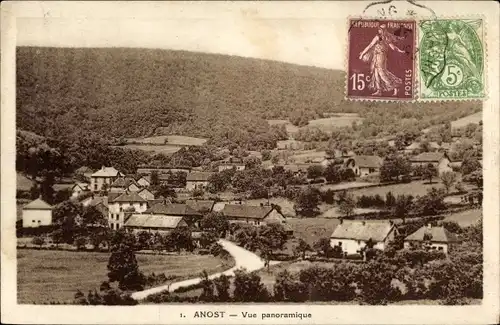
440 248
95 187
340 243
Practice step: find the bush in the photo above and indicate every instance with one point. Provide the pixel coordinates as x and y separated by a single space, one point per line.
354 257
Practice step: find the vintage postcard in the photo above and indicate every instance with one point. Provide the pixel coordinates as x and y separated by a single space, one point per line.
250 162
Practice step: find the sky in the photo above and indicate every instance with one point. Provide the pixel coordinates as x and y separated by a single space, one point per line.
307 41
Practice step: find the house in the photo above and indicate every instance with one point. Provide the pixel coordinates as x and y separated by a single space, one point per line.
197 180
154 223
79 188
352 236
124 203
189 215
37 213
412 147
143 181
123 184
146 194
103 178
255 215
433 238
201 205
99 202
439 160
364 165
225 165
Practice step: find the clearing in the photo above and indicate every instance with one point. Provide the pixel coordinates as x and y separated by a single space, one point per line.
164 149
174 140
49 275
465 218
473 118
329 124
414 188
290 128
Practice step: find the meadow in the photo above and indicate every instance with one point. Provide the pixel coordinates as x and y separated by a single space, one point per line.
175 140
329 124
153 148
473 118
47 275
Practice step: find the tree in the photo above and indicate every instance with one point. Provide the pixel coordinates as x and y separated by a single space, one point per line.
476 178
38 240
207 285
430 172
57 236
323 246
307 202
403 205
272 236
124 269
216 222
143 240
222 285
180 238
266 155
393 168
332 174
431 203
303 247
155 178
80 242
249 288
218 182
469 165
347 205
314 171
287 288
448 179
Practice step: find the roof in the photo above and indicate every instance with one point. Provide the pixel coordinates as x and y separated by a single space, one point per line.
434 145
361 230
38 204
153 221
246 211
201 205
436 234
428 157
367 161
106 172
129 197
124 182
62 186
144 189
413 146
97 200
83 186
198 176
173 209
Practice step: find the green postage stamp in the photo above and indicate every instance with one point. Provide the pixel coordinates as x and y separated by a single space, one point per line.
451 59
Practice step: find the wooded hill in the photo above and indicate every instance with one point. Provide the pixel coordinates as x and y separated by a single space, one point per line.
120 92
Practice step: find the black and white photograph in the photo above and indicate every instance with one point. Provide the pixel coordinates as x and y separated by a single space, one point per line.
204 161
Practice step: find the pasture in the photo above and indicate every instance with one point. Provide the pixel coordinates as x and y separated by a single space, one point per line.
164 149
44 275
473 118
329 124
174 140
414 188
465 218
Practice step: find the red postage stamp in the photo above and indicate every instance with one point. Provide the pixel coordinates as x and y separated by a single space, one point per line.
381 59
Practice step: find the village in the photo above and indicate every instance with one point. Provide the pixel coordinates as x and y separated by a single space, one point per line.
315 206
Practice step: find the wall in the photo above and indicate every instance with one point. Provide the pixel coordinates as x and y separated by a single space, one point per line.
100 181
116 215
192 185
41 218
274 217
433 246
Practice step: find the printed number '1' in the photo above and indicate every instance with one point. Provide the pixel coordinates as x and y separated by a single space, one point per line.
358 81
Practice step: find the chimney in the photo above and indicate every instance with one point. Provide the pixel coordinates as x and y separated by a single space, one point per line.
341 220
429 226
363 223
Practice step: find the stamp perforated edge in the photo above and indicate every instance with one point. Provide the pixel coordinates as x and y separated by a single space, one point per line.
346 62
485 59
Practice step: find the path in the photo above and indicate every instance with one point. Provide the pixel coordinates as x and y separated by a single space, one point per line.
243 259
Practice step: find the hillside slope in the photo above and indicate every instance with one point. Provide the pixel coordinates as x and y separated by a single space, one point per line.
142 92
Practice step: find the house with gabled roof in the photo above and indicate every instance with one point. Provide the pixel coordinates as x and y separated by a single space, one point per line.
197 180
255 215
432 238
79 188
363 165
201 206
143 181
122 205
103 178
440 160
352 235
146 194
123 184
37 213
154 223
190 216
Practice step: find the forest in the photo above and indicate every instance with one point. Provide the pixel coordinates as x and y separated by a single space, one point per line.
119 93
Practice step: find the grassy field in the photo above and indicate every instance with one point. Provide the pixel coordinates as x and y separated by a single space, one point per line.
465 218
176 140
473 118
414 188
331 123
164 149
56 275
